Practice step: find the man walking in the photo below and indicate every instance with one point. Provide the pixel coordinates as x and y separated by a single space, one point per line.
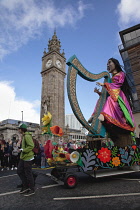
25 163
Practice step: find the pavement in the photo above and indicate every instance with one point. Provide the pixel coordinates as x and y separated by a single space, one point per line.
108 193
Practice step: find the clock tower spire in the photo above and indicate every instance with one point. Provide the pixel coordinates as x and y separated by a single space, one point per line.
54 43
53 75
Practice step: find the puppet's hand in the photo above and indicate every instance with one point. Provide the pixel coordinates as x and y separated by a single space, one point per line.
96 90
99 83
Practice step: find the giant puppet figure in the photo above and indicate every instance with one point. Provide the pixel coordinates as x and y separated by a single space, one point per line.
116 112
113 114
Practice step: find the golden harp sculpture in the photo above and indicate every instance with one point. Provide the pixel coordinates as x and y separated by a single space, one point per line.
96 129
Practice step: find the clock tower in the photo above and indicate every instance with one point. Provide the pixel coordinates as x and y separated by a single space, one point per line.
53 75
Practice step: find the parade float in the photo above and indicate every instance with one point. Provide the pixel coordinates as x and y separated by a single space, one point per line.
95 158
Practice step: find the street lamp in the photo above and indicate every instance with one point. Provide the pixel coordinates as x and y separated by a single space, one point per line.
22 115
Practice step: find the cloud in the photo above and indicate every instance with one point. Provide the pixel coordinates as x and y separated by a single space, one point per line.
22 20
12 106
129 13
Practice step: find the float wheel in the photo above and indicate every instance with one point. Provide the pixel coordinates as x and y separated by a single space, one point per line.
70 181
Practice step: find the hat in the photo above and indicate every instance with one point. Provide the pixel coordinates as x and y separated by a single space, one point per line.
22 125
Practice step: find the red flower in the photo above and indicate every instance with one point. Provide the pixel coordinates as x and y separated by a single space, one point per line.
56 130
104 155
134 147
48 148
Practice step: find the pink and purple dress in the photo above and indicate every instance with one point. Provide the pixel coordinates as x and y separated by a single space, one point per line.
117 109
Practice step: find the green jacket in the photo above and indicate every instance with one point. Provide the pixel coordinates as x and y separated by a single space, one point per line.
27 146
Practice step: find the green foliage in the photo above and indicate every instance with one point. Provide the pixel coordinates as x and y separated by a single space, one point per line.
114 151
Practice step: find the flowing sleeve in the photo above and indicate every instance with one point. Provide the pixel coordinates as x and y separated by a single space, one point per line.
114 87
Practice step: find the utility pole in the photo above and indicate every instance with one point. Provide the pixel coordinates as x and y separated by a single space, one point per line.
22 115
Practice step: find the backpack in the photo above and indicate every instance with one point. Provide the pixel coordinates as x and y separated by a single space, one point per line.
36 148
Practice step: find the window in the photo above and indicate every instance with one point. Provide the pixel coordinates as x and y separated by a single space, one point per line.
127 37
138 33
132 38
133 35
135 96
125 55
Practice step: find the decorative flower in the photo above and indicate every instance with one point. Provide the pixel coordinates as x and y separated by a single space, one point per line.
47 118
134 147
67 155
56 130
104 155
74 156
116 161
45 130
49 161
62 155
48 148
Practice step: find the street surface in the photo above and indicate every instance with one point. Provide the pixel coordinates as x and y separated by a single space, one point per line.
110 193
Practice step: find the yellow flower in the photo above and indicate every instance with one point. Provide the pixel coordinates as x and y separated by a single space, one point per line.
44 129
47 118
74 156
49 160
116 161
45 123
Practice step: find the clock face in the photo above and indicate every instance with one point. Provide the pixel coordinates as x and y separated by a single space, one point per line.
58 63
48 63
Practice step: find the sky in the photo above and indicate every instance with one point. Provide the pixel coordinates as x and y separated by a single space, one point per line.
87 28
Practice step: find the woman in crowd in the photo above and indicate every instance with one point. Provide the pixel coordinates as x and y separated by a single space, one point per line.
2 154
15 156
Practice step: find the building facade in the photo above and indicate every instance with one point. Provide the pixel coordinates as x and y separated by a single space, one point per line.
75 130
72 122
76 135
130 53
9 129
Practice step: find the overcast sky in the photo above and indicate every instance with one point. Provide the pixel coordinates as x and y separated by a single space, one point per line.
87 28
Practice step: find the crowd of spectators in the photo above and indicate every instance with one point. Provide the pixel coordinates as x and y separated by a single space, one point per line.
9 155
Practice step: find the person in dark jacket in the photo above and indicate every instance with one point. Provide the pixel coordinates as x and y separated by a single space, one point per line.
2 154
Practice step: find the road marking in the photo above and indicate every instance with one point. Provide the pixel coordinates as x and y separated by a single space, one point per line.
48 174
96 196
128 179
32 168
53 185
55 179
8 176
9 193
17 191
